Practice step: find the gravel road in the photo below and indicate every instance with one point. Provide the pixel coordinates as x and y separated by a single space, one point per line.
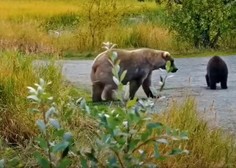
217 106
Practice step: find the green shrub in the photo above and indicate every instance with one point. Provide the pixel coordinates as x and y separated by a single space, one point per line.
202 23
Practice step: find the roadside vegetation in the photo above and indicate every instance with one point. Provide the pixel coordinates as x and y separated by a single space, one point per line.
47 121
78 28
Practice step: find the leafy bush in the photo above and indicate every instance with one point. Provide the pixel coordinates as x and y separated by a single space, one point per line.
202 23
45 105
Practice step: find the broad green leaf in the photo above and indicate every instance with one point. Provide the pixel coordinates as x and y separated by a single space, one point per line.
2 163
59 133
117 82
60 147
42 142
131 103
113 71
32 90
156 151
176 151
184 136
50 98
50 112
168 66
133 144
83 161
54 123
87 109
185 151
41 126
33 97
155 125
67 136
34 110
123 75
162 141
40 89
43 162
79 100
114 56
64 163
145 135
82 103
41 82
113 162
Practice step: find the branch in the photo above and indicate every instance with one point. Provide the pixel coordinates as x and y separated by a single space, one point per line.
144 143
119 159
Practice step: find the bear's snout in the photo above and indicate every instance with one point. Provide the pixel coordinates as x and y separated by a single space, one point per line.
174 70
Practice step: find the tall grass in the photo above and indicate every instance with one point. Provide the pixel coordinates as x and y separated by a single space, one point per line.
209 147
16 73
61 27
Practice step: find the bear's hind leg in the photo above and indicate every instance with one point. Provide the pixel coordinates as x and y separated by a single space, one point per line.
146 87
207 80
108 92
223 84
97 92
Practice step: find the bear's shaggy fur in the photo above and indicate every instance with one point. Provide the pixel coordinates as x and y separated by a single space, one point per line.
217 72
139 64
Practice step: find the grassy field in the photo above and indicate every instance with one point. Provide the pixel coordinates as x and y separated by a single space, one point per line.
78 28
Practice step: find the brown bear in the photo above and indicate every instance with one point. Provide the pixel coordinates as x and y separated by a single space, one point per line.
217 71
139 64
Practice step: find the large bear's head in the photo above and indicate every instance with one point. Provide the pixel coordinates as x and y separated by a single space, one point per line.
167 57
158 59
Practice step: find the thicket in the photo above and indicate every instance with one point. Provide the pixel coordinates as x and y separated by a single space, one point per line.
202 23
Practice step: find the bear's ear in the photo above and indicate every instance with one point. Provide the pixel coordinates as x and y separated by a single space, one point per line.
165 54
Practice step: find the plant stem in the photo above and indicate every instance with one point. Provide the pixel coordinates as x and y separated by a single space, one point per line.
144 143
47 139
119 159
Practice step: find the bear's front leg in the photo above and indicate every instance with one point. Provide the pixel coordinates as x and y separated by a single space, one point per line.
97 92
133 88
223 83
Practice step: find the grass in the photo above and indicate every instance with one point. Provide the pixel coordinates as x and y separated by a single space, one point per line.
209 146
205 53
66 28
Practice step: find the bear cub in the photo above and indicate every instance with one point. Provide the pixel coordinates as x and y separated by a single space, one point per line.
217 72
